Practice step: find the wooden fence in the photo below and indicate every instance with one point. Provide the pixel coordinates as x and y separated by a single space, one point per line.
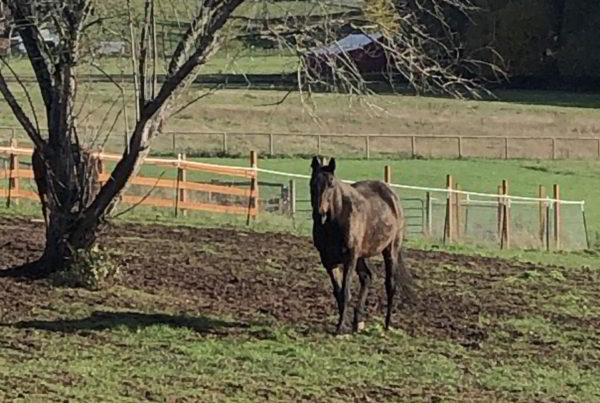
364 145
181 186
411 145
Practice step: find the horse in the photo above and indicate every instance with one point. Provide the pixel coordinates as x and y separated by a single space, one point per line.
350 224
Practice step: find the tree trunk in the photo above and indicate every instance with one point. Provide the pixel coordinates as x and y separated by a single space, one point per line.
65 234
66 195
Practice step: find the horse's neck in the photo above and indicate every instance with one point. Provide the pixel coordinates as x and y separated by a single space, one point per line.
342 193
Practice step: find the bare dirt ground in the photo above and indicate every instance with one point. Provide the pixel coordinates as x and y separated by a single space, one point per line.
277 277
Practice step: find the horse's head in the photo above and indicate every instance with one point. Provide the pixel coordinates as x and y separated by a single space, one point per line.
322 182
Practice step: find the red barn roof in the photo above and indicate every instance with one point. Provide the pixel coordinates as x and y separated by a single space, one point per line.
365 50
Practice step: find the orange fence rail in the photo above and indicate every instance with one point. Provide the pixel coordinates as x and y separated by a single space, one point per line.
13 172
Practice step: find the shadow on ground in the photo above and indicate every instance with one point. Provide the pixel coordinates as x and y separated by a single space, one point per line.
102 320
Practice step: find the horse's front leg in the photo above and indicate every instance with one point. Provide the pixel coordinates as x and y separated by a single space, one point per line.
349 267
335 283
365 276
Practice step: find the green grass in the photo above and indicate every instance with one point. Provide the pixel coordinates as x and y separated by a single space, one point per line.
234 61
275 363
78 349
82 346
577 180
474 175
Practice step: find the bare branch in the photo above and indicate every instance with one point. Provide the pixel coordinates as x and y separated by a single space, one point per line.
143 46
279 102
136 85
204 95
21 116
182 71
36 49
142 200
25 91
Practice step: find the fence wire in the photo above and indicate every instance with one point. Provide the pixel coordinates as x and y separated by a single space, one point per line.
476 218
434 213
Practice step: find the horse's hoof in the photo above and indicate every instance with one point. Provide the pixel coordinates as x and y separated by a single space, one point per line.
358 326
340 331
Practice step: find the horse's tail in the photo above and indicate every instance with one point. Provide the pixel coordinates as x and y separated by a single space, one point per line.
405 280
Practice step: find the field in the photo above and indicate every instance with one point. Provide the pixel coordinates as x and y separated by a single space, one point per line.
207 309
577 180
227 315
514 113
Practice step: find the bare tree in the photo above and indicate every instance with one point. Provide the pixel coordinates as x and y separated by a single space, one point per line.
416 37
75 209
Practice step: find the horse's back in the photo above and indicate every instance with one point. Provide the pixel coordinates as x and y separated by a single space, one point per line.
372 190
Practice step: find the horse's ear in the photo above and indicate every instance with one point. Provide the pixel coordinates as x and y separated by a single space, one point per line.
315 163
331 166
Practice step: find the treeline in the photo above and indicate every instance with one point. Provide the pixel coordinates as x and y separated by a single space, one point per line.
541 42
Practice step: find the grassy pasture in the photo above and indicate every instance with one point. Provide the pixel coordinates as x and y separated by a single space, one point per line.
134 343
516 114
151 339
576 178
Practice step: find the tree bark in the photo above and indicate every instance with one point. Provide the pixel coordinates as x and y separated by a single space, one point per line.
65 195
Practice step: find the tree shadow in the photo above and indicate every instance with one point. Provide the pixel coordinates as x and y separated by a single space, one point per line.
103 320
25 271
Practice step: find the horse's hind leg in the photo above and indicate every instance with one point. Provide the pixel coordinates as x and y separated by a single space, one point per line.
389 257
404 279
365 276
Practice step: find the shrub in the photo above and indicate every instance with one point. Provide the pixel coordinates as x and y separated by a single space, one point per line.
92 269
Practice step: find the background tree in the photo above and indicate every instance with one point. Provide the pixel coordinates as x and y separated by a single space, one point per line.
417 38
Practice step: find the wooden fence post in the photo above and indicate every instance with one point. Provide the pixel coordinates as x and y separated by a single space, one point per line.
542 213
387 174
271 145
556 195
553 148
292 197
505 238
548 223
224 145
466 226
457 217
429 214
318 144
253 199
174 144
367 147
506 148
182 192
499 213
14 183
413 146
459 147
449 227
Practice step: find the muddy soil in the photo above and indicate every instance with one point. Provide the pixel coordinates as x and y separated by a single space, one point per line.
273 278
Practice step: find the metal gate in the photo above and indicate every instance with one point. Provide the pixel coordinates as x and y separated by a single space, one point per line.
414 215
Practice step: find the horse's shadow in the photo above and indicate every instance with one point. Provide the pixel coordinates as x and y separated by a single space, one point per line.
133 321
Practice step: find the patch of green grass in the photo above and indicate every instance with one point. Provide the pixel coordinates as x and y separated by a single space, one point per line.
126 357
474 175
127 345
574 303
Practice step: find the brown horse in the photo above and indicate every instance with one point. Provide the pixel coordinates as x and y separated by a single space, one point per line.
350 224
